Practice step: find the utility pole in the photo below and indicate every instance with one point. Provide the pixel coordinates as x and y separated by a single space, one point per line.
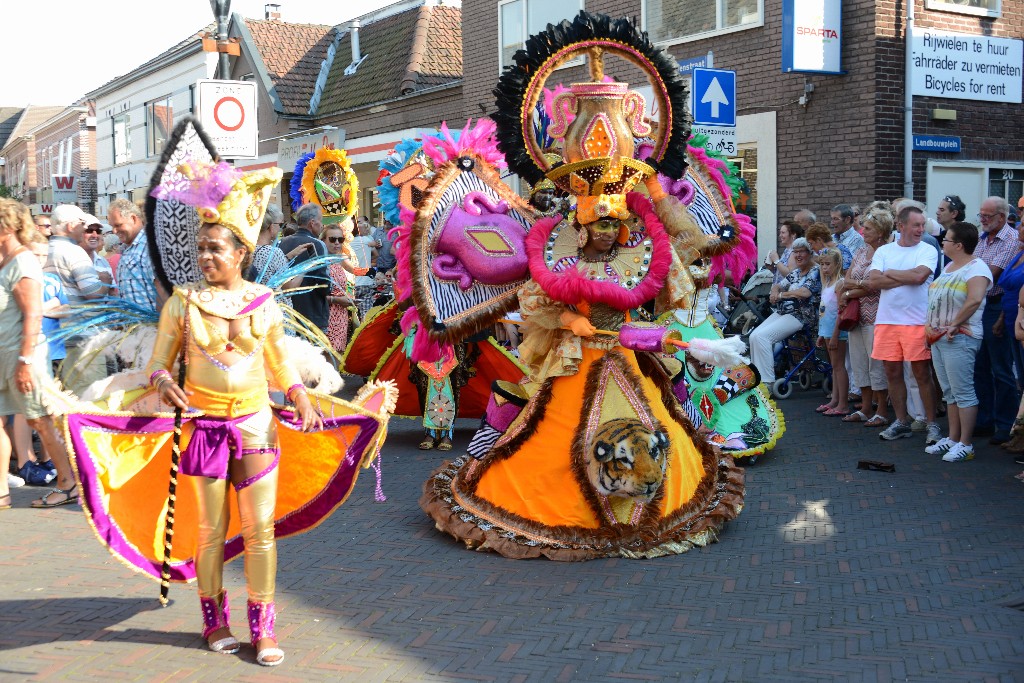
222 13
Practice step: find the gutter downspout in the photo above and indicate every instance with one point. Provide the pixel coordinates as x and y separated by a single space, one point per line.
908 105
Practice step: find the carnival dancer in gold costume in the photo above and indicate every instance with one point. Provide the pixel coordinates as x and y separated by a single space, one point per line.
223 338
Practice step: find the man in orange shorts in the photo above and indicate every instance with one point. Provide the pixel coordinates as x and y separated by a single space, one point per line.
902 270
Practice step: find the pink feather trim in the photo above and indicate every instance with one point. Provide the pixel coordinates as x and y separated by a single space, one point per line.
424 349
478 139
740 260
400 248
571 287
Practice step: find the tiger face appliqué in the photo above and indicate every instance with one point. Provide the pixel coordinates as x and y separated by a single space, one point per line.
627 459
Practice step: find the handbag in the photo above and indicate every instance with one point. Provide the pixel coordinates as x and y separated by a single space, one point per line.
849 317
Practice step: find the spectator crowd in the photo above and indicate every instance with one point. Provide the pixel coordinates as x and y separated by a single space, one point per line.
917 316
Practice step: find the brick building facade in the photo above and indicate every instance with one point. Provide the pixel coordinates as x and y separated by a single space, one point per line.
846 143
48 141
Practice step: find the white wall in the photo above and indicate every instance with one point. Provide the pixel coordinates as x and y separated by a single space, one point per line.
174 80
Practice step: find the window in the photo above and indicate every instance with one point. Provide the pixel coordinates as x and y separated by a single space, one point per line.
520 19
1006 182
122 139
672 20
982 8
159 122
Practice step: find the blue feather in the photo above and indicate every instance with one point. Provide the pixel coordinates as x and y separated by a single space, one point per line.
296 184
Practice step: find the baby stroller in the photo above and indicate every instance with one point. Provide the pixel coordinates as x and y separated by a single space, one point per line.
804 361
753 306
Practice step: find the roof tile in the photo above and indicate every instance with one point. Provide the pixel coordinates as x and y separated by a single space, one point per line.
387 45
292 54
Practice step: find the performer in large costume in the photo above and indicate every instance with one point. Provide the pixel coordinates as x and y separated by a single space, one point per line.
220 351
454 379
593 456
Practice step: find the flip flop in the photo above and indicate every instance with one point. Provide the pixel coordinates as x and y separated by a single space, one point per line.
5 502
835 412
876 421
823 408
856 416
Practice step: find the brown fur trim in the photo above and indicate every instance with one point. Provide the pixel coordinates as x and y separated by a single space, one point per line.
471 321
448 498
715 246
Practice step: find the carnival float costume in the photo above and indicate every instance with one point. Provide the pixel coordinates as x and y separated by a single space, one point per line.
285 468
593 456
433 236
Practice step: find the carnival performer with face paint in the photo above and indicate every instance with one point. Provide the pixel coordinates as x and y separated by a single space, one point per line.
220 350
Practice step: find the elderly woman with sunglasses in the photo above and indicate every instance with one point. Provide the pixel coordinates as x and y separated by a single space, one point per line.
341 300
795 299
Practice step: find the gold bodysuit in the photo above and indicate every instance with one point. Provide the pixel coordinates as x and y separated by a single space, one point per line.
232 392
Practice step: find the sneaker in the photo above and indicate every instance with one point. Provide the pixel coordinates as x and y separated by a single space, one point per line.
918 425
940 447
14 481
959 453
35 474
897 430
933 434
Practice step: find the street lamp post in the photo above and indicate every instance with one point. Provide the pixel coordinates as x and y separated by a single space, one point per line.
222 12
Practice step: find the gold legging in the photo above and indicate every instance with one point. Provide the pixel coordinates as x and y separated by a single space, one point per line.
256 503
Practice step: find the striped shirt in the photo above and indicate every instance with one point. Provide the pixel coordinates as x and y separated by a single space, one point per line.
74 268
997 250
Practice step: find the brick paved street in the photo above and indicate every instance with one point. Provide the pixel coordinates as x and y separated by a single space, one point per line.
830 573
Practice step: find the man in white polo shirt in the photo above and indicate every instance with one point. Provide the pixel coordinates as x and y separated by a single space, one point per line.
902 271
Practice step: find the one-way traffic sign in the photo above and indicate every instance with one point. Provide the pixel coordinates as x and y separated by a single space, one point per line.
714 97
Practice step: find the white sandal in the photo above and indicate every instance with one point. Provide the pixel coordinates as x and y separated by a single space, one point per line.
227 646
261 656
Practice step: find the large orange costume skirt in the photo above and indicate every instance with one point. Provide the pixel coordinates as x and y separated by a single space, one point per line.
122 459
531 494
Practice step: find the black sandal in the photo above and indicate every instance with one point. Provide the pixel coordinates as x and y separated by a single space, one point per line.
68 498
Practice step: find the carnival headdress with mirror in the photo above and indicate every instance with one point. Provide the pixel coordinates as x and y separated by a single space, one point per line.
325 177
594 122
593 126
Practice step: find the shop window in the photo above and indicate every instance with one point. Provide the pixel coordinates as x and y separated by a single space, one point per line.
520 19
675 21
159 122
982 8
122 139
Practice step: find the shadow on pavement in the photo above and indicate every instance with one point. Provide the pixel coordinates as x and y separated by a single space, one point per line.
26 623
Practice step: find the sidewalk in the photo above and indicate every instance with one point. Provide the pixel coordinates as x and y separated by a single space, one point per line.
830 573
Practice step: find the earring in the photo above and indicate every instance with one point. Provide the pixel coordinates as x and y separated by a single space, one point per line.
582 237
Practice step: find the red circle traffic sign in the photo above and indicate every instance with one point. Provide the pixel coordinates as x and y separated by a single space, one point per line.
241 113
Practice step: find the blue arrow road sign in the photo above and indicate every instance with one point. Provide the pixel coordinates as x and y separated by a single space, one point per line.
714 97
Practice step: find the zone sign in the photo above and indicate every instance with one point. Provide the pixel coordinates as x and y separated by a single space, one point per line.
227 110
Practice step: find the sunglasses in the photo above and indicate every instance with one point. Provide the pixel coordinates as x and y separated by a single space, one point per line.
335 240
95 230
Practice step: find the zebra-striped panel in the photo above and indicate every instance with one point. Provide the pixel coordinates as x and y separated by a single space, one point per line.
448 303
